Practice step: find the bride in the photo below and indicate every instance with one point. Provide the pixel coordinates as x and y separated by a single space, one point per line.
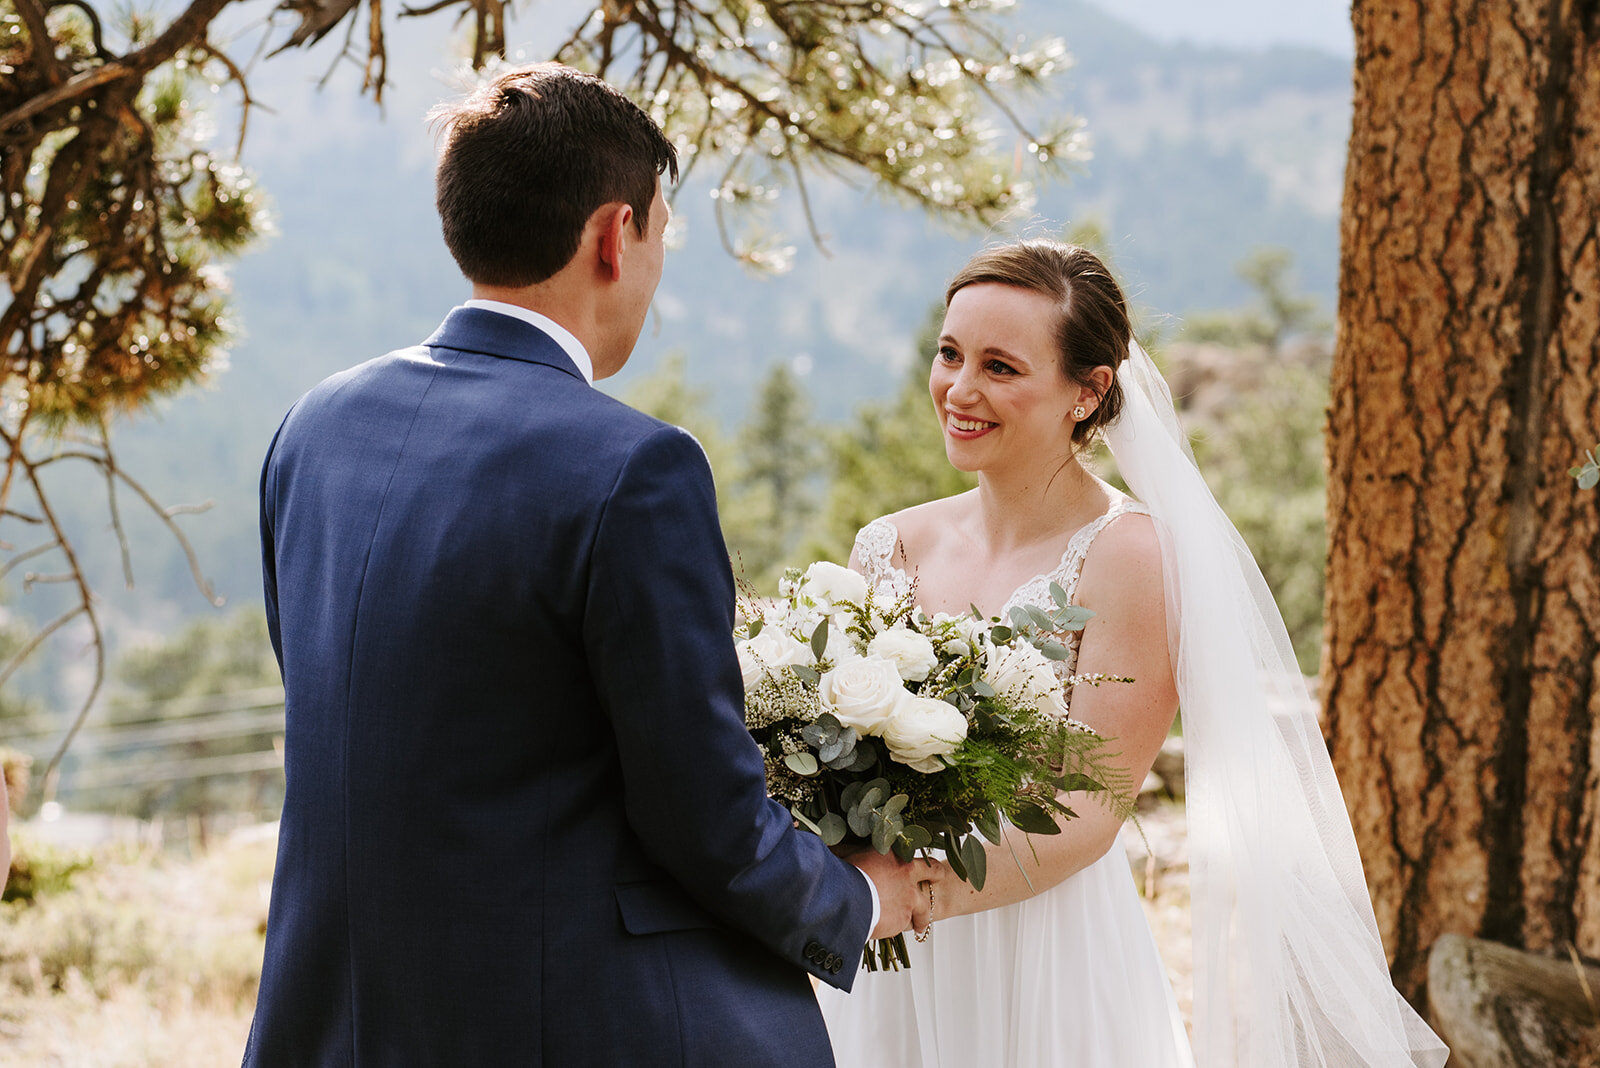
1053 963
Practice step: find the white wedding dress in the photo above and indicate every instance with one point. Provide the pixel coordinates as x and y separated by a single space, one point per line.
1069 978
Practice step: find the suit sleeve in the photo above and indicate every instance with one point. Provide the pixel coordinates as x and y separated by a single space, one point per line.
269 558
659 636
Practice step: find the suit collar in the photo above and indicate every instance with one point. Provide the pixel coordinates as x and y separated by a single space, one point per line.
494 334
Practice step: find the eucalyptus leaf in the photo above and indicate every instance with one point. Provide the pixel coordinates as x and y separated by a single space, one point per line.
1059 595
884 834
1000 634
1053 651
952 856
917 836
988 824
1040 620
832 828
1034 820
805 822
975 860
851 794
865 757
1019 618
801 763
805 673
982 689
819 639
903 850
1589 478
895 805
1073 617
754 626
860 821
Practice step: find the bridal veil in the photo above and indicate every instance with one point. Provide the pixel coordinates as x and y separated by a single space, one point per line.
1289 967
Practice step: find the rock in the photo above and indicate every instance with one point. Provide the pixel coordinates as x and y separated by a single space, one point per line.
1499 1007
1169 765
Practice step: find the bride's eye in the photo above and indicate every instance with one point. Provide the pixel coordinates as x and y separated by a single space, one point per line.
947 354
996 367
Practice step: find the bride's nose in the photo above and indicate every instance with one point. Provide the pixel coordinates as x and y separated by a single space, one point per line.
964 387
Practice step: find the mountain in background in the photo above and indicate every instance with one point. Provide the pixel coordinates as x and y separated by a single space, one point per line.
1200 154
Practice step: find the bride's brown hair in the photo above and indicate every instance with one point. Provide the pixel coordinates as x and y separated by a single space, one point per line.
1092 329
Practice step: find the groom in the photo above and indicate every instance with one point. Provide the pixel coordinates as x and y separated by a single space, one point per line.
525 824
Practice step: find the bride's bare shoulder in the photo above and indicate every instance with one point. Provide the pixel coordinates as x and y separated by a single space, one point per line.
1124 559
914 529
921 523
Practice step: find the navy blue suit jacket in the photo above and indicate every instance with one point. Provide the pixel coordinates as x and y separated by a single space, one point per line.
524 822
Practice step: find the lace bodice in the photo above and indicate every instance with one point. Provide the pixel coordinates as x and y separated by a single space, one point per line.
879 541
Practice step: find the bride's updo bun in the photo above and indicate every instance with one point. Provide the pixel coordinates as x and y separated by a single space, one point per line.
1092 329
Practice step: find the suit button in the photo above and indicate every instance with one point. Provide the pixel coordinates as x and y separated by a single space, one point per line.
812 950
834 965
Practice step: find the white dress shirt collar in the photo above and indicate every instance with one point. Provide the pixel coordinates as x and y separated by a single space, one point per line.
558 333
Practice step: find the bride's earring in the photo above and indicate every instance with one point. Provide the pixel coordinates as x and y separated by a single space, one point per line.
1079 412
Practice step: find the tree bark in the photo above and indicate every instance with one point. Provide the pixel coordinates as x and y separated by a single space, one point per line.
1463 600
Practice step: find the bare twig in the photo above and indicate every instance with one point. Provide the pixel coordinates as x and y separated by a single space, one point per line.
111 501
246 101
23 557
21 655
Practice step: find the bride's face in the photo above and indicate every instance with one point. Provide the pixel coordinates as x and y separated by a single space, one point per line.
997 382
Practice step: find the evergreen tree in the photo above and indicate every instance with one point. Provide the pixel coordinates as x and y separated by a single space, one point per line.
890 458
776 480
114 213
192 730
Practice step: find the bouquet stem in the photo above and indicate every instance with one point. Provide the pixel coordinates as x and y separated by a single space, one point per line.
886 954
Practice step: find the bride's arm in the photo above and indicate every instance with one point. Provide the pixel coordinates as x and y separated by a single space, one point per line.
1121 582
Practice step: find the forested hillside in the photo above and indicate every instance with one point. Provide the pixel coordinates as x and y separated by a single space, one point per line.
1199 156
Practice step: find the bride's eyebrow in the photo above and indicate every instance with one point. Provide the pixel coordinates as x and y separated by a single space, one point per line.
1001 354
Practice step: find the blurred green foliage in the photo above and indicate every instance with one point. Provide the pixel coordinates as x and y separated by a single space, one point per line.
792 491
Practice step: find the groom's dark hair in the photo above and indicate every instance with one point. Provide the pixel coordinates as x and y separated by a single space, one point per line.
528 158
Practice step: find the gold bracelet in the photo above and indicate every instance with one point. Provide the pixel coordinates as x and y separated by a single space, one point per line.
922 935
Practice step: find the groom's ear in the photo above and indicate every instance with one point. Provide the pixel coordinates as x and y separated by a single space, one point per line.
614 222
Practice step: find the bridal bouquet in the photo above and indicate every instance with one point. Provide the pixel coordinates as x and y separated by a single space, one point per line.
882 726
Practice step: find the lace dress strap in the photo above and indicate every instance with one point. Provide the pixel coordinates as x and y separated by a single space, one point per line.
875 548
1066 574
1069 570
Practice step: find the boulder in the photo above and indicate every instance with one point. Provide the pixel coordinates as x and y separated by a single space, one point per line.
1499 1007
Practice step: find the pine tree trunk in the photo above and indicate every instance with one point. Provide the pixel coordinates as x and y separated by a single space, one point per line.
1463 600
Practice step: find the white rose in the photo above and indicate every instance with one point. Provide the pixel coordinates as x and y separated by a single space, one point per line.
921 730
1020 673
862 693
771 650
828 584
912 654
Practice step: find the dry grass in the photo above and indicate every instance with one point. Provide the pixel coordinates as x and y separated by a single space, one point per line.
144 961
152 961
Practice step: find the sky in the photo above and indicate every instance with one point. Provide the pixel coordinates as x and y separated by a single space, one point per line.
1323 24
